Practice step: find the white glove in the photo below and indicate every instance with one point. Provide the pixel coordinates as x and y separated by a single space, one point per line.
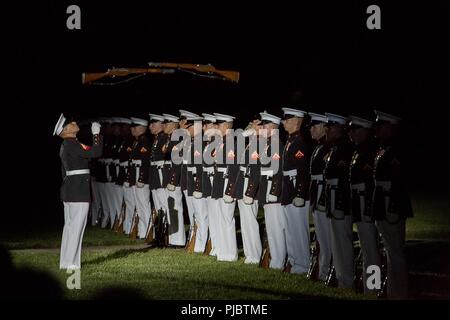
272 198
171 187
227 199
248 200
140 184
126 184
95 128
197 195
298 202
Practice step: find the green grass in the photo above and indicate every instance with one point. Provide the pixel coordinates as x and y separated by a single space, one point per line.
175 274
431 218
111 260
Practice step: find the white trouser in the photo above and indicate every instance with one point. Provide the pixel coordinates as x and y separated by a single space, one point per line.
212 207
75 218
95 204
367 233
201 219
159 197
111 196
117 200
394 242
177 235
227 232
275 224
297 237
141 204
322 226
342 249
251 239
190 208
130 205
103 191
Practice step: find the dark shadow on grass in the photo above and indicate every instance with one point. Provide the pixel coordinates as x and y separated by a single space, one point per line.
123 253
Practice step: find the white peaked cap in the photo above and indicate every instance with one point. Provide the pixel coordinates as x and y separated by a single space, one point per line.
383 116
270 117
209 117
185 113
336 119
156 117
123 120
170 117
294 112
316 117
59 125
138 121
223 117
357 121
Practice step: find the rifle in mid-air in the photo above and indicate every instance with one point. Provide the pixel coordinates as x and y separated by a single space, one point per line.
202 70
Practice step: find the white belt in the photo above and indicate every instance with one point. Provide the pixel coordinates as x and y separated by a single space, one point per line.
242 168
136 162
385 184
359 186
108 161
157 163
317 177
332 182
185 162
76 172
167 162
290 173
208 169
124 164
268 173
221 169
116 162
192 169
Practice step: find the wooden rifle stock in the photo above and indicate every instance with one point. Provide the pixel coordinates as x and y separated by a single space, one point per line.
208 248
149 238
313 271
134 229
191 243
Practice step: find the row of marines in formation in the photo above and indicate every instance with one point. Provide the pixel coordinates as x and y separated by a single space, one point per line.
351 175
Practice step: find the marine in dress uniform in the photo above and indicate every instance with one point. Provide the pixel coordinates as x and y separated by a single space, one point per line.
224 176
244 191
115 192
136 188
171 181
362 185
76 188
336 175
124 156
184 124
210 133
269 189
391 204
157 155
295 191
322 223
194 170
104 178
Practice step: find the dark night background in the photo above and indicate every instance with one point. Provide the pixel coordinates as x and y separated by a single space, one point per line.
318 56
